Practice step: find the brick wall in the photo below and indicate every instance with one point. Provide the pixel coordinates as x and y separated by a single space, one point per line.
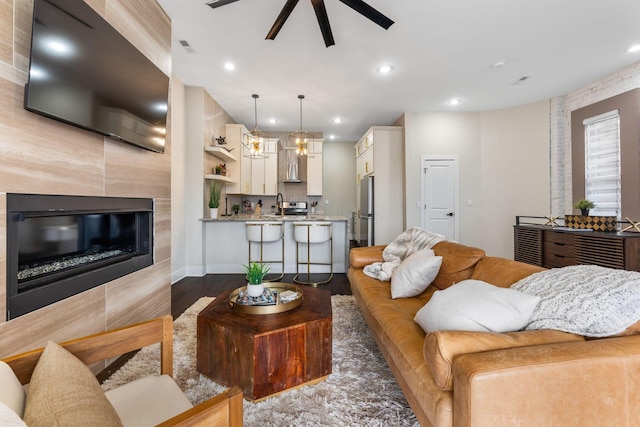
560 129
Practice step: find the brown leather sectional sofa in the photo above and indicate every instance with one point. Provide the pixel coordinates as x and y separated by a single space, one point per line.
527 378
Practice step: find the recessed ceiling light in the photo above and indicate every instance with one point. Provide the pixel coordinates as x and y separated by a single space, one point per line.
455 101
384 69
337 120
499 63
332 136
229 66
634 48
272 121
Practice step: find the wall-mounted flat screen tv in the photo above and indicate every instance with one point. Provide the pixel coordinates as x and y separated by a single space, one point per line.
83 72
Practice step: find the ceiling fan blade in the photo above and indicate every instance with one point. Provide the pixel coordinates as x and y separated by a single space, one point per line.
281 19
367 11
217 3
323 21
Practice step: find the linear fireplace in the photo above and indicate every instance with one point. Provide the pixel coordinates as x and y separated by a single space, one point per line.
59 246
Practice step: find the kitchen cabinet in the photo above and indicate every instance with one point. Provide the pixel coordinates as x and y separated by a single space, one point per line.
240 173
314 169
379 153
264 171
550 247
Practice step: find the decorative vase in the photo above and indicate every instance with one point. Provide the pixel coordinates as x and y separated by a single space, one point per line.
213 212
585 212
255 290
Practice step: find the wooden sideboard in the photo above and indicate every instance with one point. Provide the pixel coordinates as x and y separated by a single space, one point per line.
551 247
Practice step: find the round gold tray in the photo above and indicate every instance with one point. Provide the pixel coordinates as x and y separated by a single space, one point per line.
279 307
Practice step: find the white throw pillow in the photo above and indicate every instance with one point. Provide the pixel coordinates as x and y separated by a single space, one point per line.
414 274
474 305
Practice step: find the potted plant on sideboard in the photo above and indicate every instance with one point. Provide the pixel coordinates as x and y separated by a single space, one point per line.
584 205
255 272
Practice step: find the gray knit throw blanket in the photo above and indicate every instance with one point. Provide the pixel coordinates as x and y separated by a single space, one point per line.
409 242
584 299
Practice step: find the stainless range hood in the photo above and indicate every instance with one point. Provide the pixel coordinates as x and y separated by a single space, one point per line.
292 166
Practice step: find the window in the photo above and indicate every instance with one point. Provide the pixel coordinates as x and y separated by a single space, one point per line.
602 163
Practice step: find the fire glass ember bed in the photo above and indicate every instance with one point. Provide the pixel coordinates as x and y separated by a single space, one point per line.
59 246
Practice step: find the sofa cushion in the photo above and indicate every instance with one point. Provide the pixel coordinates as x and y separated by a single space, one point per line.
63 391
441 348
473 305
359 257
458 262
11 393
414 274
503 272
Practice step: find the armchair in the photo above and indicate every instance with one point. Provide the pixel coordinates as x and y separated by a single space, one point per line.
131 400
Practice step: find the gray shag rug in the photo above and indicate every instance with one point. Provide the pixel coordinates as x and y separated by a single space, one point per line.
361 390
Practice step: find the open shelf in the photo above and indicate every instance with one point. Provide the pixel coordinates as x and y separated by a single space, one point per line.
219 178
220 153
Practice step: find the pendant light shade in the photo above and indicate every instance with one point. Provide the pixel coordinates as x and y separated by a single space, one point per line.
302 140
254 141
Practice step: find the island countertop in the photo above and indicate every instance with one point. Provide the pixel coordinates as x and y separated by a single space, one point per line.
275 217
226 248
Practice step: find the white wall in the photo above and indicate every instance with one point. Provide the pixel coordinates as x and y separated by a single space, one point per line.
503 169
178 167
514 173
440 134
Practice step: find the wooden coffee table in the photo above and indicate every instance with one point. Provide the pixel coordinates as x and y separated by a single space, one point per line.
265 354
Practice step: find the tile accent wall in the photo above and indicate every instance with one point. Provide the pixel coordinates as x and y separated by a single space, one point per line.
40 155
560 133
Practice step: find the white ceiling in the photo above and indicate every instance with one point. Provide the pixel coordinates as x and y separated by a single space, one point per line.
440 49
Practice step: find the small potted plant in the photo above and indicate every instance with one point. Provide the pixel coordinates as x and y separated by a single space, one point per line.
235 208
255 272
584 205
215 190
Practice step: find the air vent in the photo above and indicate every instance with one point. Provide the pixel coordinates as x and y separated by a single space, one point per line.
185 44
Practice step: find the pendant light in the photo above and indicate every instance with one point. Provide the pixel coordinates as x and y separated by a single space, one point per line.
254 141
302 140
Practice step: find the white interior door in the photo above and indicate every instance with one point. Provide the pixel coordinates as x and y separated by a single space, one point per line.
440 195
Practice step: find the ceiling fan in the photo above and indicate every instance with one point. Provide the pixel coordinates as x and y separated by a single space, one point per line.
321 14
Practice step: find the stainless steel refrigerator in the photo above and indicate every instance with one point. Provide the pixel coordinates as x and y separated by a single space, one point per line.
367 237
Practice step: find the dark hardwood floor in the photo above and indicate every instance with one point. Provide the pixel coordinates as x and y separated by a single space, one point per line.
188 290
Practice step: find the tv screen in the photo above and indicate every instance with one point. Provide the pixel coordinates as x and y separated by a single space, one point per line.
83 72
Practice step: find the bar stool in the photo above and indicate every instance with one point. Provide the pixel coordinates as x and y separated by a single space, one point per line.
260 232
310 232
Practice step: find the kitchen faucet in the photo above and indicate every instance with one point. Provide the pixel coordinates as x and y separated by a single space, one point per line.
280 204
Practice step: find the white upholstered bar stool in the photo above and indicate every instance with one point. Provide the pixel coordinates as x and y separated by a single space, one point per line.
309 233
261 232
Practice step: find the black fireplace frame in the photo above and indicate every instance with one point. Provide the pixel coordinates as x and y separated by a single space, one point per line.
21 206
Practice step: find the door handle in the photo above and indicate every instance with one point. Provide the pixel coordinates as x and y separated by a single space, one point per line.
450 214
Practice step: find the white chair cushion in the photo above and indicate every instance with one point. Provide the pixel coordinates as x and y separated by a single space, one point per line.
11 392
148 401
8 417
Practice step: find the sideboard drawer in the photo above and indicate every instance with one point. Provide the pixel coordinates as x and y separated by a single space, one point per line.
559 237
554 260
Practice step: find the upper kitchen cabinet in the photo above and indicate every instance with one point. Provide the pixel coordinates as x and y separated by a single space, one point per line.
240 173
379 153
264 171
314 169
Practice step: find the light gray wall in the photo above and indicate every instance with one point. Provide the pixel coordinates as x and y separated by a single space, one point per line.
339 178
503 169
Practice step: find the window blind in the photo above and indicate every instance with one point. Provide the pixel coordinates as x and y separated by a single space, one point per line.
602 167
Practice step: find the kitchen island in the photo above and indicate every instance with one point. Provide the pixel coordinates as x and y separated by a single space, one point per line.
225 245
